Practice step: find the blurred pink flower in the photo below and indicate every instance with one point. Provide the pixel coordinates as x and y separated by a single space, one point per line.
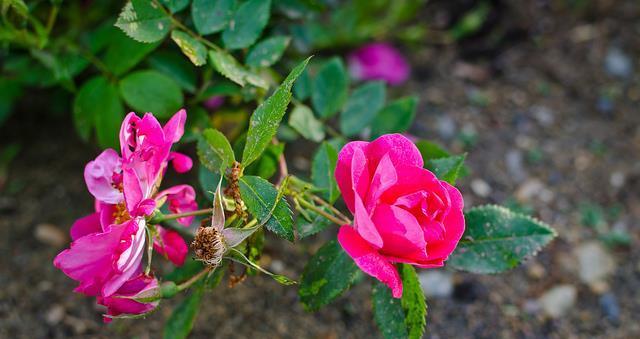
214 102
378 61
402 212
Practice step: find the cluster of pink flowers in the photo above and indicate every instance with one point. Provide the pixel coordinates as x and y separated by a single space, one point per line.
402 212
107 246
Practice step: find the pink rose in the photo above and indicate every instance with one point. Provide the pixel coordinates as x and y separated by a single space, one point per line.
124 303
402 212
214 102
378 61
108 246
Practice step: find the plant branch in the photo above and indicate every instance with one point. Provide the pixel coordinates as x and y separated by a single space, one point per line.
194 279
182 215
323 213
186 29
282 166
329 206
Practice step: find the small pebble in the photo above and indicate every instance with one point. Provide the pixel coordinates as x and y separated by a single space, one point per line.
277 266
605 104
436 283
543 115
618 63
536 271
558 300
446 126
617 179
480 188
51 235
514 162
529 189
531 306
594 262
610 306
54 315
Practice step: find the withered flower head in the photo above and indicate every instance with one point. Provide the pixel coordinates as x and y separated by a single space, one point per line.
212 242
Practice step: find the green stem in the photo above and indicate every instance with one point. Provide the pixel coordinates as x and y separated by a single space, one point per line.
323 213
328 205
182 215
186 29
194 279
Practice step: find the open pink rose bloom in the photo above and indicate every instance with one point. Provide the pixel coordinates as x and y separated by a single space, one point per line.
402 212
107 246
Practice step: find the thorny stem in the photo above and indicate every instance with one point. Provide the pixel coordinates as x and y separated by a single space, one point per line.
329 206
194 279
320 211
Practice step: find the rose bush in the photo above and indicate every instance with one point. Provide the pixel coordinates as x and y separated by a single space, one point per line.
402 212
222 59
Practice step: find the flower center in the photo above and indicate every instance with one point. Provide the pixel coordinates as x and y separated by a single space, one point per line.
209 246
121 214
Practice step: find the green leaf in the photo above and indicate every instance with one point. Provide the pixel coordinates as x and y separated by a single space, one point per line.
471 21
430 150
305 123
448 168
326 276
98 104
260 196
302 87
228 66
214 151
192 48
316 224
151 91
265 120
212 16
497 239
267 165
413 302
207 179
268 51
388 312
329 88
176 67
361 107
175 5
17 5
143 21
322 171
181 321
395 117
124 53
247 24
186 271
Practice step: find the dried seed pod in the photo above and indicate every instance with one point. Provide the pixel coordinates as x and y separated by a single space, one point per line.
209 246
